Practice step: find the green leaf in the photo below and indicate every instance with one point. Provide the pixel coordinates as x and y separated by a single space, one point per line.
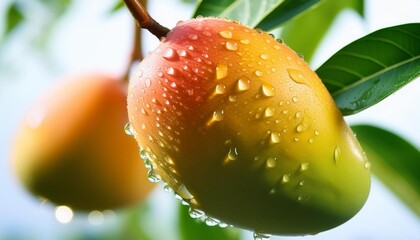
373 67
394 161
285 12
193 229
117 6
208 8
58 7
14 17
316 22
264 14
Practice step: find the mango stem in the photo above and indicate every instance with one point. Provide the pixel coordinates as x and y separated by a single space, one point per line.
145 20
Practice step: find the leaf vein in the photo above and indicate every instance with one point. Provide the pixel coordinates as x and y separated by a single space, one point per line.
370 76
365 57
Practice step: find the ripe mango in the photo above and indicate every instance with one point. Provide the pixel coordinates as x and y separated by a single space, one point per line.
241 128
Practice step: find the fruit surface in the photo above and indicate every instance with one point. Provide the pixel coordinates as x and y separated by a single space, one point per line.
72 150
241 128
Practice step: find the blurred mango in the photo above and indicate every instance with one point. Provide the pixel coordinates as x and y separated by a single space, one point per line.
72 149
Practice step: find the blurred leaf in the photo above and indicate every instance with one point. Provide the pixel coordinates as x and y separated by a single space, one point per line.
373 67
117 6
254 13
132 227
14 17
193 229
315 23
58 6
394 161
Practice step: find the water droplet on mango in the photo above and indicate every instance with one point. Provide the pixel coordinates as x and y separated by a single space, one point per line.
226 34
232 46
221 71
170 54
296 76
271 162
267 90
243 84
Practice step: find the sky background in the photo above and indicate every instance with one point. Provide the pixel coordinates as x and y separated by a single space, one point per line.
87 40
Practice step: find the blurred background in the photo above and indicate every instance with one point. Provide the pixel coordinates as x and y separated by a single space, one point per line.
88 38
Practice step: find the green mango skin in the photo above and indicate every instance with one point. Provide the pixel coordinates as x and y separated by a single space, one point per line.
242 129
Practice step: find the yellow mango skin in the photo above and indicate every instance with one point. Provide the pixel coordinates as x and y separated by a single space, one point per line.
72 149
241 128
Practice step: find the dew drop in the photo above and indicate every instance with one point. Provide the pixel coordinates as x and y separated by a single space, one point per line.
258 73
275 137
128 129
195 213
167 188
267 90
226 34
311 140
216 117
245 41
148 82
367 165
232 46
285 178
302 127
184 193
316 132
193 36
232 98
303 197
269 112
221 71
261 236
139 73
243 84
264 56
220 89
296 76
224 225
152 176
170 54
170 71
233 154
280 40
304 166
295 99
337 152
271 162
182 53
211 221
